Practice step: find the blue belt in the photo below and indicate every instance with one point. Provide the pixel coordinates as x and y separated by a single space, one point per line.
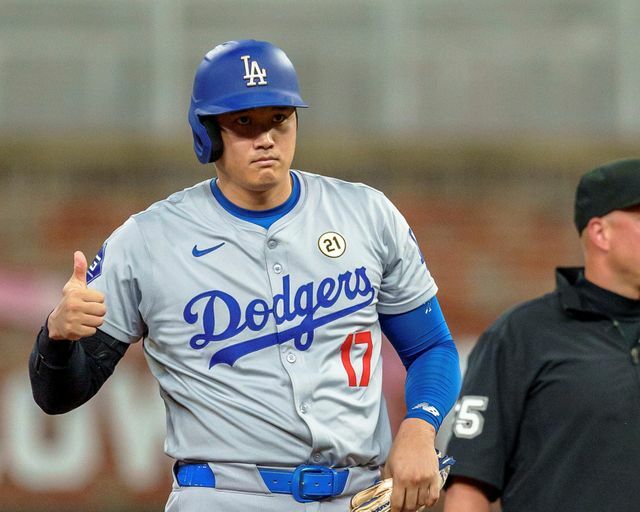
305 483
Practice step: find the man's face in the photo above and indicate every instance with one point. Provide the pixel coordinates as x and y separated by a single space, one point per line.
258 148
624 238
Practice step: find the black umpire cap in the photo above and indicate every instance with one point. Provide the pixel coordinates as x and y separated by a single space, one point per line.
612 186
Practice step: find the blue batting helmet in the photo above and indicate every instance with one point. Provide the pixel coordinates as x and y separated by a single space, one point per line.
238 75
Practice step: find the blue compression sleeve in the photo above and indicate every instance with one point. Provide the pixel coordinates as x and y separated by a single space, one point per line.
423 341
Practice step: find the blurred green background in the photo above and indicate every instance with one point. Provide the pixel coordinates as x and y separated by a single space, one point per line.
476 117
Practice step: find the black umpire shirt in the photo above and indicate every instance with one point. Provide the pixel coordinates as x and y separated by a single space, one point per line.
549 413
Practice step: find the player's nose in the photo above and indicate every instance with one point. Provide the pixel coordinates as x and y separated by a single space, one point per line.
264 139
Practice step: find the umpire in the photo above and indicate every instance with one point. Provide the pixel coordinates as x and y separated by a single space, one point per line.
549 414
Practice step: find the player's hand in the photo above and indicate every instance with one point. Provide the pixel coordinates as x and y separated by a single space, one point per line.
413 465
81 310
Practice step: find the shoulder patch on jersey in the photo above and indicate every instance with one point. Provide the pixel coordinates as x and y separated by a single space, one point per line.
469 422
332 244
95 269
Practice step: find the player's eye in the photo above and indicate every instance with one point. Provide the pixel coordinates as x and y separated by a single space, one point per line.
279 118
243 120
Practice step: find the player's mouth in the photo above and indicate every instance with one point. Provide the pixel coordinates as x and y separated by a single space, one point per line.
265 161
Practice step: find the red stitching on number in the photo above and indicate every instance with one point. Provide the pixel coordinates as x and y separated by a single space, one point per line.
345 354
345 350
365 337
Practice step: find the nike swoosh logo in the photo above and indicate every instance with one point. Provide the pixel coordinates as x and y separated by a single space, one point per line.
197 252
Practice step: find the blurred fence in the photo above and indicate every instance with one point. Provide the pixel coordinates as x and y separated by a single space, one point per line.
366 66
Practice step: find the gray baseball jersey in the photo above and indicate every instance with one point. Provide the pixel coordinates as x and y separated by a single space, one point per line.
266 343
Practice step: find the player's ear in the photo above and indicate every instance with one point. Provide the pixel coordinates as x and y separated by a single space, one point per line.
597 231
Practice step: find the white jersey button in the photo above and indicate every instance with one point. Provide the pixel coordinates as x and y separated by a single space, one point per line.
291 358
304 408
272 244
317 457
277 268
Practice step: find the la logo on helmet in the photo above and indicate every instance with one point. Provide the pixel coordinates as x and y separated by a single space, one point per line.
253 72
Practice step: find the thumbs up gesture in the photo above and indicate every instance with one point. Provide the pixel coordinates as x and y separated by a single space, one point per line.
81 310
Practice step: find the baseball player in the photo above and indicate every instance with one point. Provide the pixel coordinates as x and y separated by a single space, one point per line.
549 413
262 296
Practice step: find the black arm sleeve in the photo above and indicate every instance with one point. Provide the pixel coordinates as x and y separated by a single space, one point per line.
66 374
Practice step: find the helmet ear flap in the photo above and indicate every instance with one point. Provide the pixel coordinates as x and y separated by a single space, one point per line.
213 130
